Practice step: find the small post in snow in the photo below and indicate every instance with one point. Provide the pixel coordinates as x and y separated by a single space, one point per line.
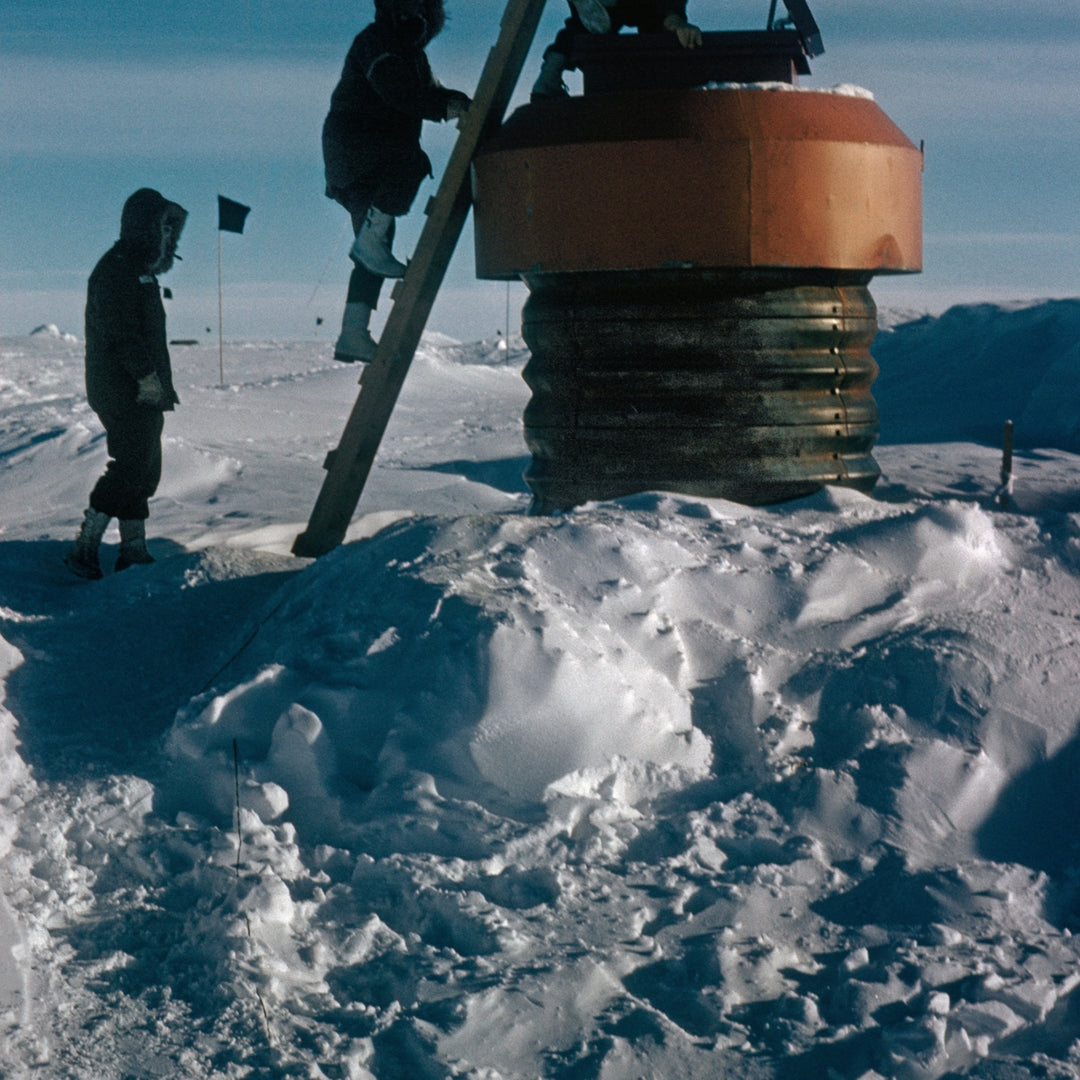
236 779
1004 492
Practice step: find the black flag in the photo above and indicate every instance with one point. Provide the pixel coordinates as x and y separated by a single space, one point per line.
231 215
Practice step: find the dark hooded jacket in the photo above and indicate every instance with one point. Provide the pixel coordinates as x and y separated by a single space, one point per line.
385 93
125 318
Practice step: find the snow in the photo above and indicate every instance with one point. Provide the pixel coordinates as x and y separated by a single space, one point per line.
841 89
666 787
52 330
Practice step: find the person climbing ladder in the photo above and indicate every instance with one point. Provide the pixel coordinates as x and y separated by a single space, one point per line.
371 148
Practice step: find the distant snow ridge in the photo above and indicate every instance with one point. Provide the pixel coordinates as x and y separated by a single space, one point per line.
961 375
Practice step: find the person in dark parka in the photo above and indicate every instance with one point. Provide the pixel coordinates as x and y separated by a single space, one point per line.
128 376
609 17
371 147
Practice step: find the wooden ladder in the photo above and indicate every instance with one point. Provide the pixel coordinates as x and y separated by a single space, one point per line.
348 466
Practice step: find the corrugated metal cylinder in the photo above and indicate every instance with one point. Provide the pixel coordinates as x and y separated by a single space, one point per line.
751 386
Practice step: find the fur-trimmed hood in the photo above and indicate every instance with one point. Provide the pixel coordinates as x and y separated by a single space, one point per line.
416 22
150 226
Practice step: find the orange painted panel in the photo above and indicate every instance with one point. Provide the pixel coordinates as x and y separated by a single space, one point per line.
698 178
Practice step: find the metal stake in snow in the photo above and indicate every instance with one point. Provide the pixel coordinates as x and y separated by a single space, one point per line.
348 466
236 779
1004 493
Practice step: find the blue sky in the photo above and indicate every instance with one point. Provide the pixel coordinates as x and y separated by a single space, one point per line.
208 96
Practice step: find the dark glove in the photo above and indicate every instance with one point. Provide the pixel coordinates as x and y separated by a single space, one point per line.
151 392
457 104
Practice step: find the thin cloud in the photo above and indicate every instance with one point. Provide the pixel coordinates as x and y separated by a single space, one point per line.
957 21
205 109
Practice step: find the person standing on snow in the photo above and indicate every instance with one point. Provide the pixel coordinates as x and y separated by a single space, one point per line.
128 376
609 17
371 147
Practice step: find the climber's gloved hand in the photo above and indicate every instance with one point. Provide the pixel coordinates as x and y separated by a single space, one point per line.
457 105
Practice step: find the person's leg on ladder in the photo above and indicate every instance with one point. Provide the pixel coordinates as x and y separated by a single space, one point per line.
355 343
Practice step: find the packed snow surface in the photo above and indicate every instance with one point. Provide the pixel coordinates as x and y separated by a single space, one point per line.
666 787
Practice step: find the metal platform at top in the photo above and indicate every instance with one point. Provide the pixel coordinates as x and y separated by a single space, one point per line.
779 53
610 63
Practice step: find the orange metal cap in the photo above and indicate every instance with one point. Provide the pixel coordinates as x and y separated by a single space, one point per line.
698 178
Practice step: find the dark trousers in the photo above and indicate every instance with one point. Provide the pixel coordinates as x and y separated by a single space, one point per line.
133 439
645 18
389 181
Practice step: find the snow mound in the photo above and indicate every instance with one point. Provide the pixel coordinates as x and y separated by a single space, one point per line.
53 331
483 678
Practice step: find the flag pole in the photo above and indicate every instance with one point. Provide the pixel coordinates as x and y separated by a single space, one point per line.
220 340
231 217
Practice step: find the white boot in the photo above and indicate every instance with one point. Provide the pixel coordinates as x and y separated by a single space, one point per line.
355 342
549 83
371 248
132 544
82 556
